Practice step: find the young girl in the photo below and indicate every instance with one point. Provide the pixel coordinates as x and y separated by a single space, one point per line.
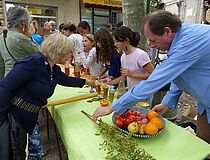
107 54
88 60
136 64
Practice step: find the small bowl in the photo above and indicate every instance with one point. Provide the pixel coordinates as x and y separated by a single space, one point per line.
142 104
104 102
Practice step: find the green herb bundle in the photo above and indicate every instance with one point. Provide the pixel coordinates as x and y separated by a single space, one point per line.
120 146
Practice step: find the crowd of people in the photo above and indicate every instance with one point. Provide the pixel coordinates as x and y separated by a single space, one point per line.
28 63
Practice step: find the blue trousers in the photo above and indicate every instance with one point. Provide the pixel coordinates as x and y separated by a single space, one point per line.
35 147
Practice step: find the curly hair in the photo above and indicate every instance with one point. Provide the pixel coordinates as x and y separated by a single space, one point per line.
56 46
17 16
105 39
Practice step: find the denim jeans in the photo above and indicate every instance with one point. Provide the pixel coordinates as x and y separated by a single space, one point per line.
34 145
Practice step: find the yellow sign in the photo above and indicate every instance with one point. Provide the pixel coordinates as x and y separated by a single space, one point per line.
35 11
113 3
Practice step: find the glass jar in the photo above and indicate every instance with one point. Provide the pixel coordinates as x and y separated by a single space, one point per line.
111 94
77 69
120 89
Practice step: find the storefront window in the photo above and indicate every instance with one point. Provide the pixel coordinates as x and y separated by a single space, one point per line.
99 16
40 13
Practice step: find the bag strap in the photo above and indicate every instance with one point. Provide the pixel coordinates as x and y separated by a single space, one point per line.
4 37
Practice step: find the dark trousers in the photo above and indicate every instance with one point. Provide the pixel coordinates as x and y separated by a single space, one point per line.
203 128
13 140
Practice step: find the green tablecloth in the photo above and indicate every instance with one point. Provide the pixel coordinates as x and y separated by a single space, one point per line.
78 133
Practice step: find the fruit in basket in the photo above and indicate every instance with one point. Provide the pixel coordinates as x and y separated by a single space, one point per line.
129 119
130 112
143 116
117 116
104 102
119 122
150 128
158 122
144 121
141 129
133 127
139 123
152 114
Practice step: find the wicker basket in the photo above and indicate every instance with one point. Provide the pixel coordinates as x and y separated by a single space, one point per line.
171 114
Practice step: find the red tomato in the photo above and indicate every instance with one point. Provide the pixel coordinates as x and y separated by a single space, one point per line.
132 117
139 122
130 112
136 113
143 116
138 118
123 115
128 121
117 116
119 122
144 121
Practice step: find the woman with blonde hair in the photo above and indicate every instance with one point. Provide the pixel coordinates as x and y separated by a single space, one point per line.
26 89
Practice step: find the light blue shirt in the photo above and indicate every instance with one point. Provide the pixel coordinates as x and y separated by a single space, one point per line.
187 67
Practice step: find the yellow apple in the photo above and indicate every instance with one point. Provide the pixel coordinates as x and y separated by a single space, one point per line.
133 127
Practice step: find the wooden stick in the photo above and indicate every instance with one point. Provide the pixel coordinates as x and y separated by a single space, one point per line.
89 116
63 101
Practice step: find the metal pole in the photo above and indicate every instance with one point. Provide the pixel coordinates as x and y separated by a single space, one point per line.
147 6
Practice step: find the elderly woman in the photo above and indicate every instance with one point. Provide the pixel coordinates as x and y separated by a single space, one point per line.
26 89
15 45
18 45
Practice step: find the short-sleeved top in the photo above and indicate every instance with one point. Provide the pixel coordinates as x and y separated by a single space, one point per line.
33 80
89 60
135 62
115 65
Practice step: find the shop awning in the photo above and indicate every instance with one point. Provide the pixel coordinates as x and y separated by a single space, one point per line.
112 3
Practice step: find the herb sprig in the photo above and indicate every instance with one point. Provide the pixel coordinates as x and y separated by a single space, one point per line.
118 145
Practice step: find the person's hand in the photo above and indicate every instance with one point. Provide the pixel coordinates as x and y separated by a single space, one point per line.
102 111
160 108
90 82
126 72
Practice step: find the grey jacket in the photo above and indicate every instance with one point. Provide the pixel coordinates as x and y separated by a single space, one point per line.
19 45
